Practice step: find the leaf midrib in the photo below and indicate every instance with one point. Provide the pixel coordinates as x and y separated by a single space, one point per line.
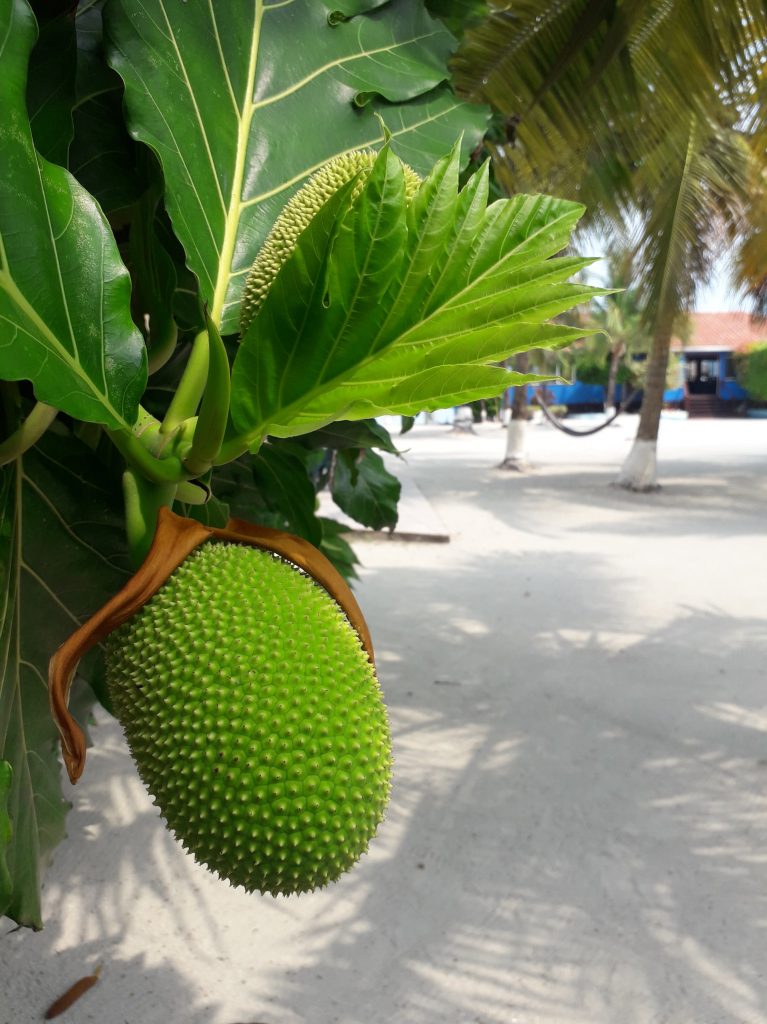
232 224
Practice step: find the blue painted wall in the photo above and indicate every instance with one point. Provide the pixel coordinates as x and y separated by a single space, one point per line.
594 394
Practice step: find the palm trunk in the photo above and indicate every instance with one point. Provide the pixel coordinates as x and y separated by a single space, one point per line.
639 471
516 432
615 357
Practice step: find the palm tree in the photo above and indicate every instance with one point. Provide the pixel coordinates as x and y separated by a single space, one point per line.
639 110
685 225
618 319
751 257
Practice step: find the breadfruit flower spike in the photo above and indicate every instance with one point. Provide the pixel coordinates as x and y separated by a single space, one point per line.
174 539
298 214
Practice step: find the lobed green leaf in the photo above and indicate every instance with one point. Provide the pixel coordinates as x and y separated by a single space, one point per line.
281 478
102 156
337 338
327 312
359 434
51 86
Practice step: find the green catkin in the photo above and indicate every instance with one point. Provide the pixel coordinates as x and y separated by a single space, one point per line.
255 719
296 217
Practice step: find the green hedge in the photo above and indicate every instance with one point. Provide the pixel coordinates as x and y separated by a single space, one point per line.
591 369
752 370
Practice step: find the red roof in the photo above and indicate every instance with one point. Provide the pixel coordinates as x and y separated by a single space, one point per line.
721 331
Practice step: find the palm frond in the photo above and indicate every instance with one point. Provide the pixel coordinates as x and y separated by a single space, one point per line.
751 253
694 188
638 109
576 64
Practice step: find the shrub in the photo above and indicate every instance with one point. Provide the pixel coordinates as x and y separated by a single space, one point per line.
751 370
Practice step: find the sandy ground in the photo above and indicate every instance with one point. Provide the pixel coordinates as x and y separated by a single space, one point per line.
578 828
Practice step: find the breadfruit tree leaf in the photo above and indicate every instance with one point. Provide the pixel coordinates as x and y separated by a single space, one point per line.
102 155
51 85
64 293
350 8
359 434
365 489
273 489
238 127
471 285
213 513
62 555
6 884
335 547
242 486
332 305
282 480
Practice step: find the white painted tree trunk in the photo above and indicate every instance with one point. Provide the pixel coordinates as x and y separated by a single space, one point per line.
516 430
516 451
639 471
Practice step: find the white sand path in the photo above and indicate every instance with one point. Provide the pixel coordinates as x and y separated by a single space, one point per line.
578 827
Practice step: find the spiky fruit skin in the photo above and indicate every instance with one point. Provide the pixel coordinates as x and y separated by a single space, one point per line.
296 217
255 719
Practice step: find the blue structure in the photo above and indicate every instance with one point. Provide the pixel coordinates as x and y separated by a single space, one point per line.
707 387
578 397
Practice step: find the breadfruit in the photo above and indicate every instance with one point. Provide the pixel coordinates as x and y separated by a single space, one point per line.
255 719
296 216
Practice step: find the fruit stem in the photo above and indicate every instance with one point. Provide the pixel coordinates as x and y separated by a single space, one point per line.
143 501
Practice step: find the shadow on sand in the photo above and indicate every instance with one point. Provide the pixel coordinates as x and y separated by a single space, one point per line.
576 834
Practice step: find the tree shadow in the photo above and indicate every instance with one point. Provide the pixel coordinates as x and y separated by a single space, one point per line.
134 990
576 833
563 845
699 495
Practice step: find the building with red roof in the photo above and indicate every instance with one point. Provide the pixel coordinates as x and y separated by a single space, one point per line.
708 385
725 332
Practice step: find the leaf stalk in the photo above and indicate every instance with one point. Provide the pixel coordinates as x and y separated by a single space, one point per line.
28 434
234 447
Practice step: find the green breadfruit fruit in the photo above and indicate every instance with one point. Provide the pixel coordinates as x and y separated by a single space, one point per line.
255 719
296 216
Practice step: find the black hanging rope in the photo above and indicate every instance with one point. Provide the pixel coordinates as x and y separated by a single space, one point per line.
555 422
